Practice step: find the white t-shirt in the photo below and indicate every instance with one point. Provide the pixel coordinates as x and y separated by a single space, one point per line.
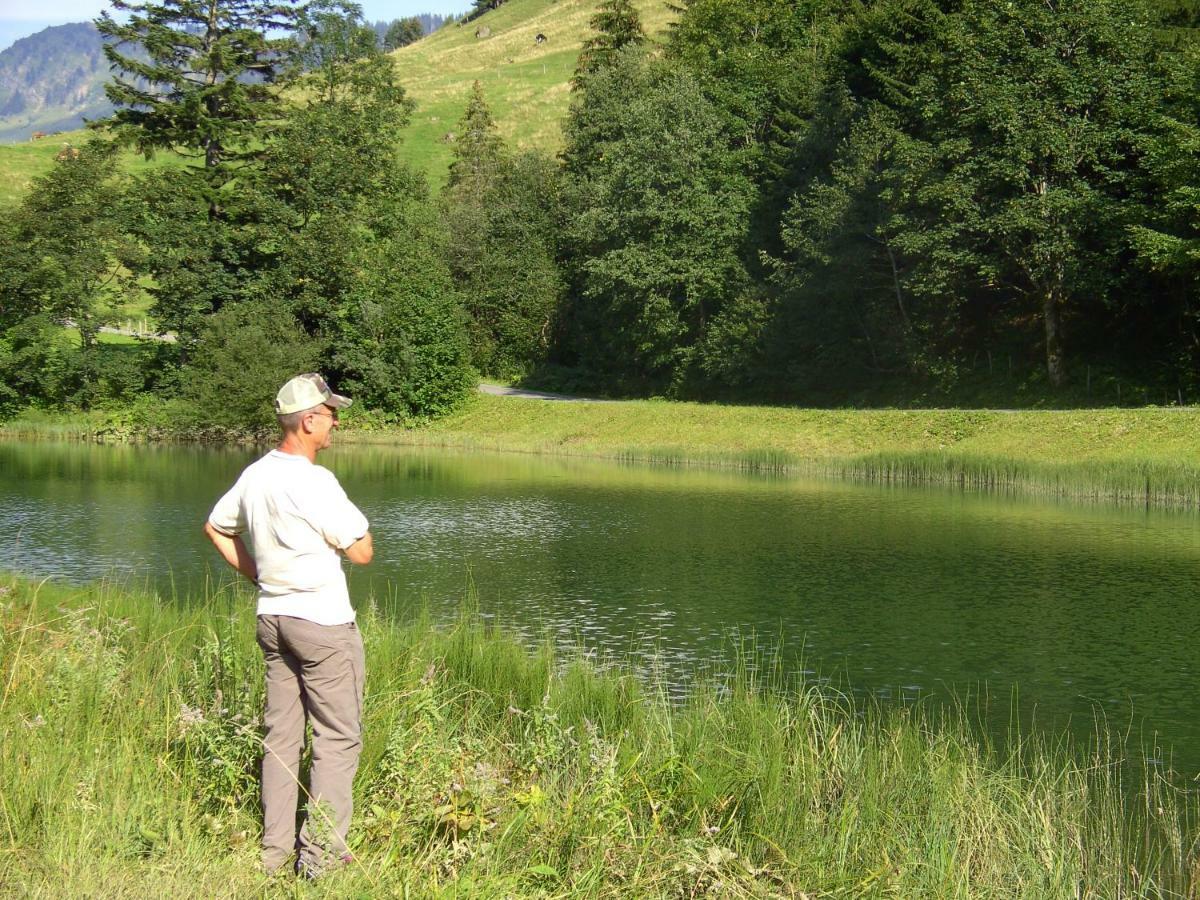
295 517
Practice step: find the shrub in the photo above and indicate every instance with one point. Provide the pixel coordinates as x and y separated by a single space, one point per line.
246 351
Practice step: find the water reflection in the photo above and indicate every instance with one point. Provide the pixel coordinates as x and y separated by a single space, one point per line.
900 593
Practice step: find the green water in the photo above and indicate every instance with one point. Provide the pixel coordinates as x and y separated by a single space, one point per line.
1067 612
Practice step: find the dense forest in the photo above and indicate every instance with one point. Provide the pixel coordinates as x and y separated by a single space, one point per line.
788 201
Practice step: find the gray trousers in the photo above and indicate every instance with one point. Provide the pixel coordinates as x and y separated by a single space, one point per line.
315 673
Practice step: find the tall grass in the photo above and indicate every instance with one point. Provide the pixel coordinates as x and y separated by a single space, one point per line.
491 769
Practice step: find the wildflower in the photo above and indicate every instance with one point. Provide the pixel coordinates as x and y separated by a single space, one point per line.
189 717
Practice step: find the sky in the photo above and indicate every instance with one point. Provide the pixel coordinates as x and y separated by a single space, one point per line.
19 18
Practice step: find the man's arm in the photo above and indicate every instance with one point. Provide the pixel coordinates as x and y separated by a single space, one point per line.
233 551
361 551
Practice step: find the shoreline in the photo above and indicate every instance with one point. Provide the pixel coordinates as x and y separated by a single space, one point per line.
1146 456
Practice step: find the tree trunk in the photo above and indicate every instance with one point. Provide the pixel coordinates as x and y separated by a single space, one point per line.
89 328
1052 317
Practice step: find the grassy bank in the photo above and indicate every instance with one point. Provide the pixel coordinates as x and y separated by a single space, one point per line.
1148 455
1141 455
131 745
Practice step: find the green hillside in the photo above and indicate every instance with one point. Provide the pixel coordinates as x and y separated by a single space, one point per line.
526 84
21 163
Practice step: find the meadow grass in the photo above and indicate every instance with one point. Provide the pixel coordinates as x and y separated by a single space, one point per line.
21 163
495 769
526 84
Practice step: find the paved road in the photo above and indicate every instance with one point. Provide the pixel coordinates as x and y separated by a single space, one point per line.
167 337
499 390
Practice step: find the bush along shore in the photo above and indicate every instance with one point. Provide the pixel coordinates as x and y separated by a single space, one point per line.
1144 456
494 769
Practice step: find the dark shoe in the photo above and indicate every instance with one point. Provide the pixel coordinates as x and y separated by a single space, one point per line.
310 870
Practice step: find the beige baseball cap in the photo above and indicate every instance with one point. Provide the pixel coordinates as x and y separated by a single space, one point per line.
306 391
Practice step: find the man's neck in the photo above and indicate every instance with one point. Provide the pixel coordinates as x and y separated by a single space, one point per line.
293 444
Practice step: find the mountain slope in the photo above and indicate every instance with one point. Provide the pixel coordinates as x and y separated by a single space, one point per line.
51 81
527 84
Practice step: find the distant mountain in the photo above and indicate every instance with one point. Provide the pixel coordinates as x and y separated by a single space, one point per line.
51 81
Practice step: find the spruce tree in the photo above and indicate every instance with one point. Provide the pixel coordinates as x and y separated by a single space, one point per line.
617 25
199 77
478 149
403 32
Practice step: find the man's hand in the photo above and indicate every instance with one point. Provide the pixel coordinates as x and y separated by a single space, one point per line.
361 551
233 551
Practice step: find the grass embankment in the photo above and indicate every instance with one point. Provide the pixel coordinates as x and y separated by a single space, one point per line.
128 768
1142 455
1149 455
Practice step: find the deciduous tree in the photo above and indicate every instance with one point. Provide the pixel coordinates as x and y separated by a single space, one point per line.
658 210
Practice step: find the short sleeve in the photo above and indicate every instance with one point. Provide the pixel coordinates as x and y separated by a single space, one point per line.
227 516
337 519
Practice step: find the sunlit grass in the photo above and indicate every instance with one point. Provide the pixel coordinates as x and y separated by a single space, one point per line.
492 768
526 84
21 163
1145 455
1148 455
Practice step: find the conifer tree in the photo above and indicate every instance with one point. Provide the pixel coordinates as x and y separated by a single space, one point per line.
617 25
478 149
403 32
197 76
480 7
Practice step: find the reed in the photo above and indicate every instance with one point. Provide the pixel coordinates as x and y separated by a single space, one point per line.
495 768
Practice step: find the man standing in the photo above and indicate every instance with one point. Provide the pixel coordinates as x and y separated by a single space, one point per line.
298 523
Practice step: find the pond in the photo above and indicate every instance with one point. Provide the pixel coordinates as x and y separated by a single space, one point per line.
1064 612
